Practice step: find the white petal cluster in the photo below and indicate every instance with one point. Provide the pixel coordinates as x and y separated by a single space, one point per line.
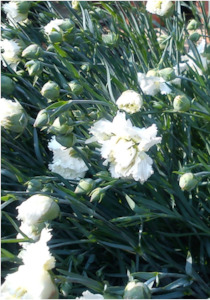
11 52
130 101
123 147
151 85
53 25
64 163
13 15
8 109
32 280
89 295
159 7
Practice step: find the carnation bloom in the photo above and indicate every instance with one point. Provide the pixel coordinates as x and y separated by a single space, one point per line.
32 280
151 85
12 116
159 7
13 14
89 295
65 163
31 231
53 25
11 53
38 208
130 101
124 147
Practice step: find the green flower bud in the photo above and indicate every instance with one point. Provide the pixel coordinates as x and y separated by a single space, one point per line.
55 37
32 51
152 72
188 181
13 116
75 87
136 290
66 140
194 37
181 103
34 185
7 85
110 38
60 126
67 25
75 4
168 74
23 6
42 119
51 90
34 67
192 25
97 194
158 104
162 40
85 186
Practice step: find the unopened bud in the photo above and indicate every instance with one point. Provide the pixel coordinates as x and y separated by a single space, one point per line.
66 140
85 186
67 25
12 116
168 74
42 118
60 126
181 103
51 90
188 181
55 37
75 87
152 73
32 51
34 67
192 25
97 194
194 37
136 290
34 185
7 85
162 40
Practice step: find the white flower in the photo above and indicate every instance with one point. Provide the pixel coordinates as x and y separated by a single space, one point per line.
11 53
31 231
151 85
53 25
130 101
12 115
32 280
13 14
125 146
159 7
89 295
64 163
37 209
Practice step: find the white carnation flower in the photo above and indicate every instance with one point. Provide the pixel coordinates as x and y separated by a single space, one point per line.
53 25
130 101
31 231
124 148
64 163
13 14
159 7
89 295
151 85
37 209
11 53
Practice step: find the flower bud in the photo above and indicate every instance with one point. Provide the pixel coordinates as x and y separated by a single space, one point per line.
168 74
75 4
136 290
110 39
32 51
192 25
97 194
194 37
51 90
7 85
42 118
55 37
75 87
23 6
162 40
34 67
188 181
66 140
152 73
37 209
60 126
158 104
12 116
67 25
181 103
34 185
85 186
